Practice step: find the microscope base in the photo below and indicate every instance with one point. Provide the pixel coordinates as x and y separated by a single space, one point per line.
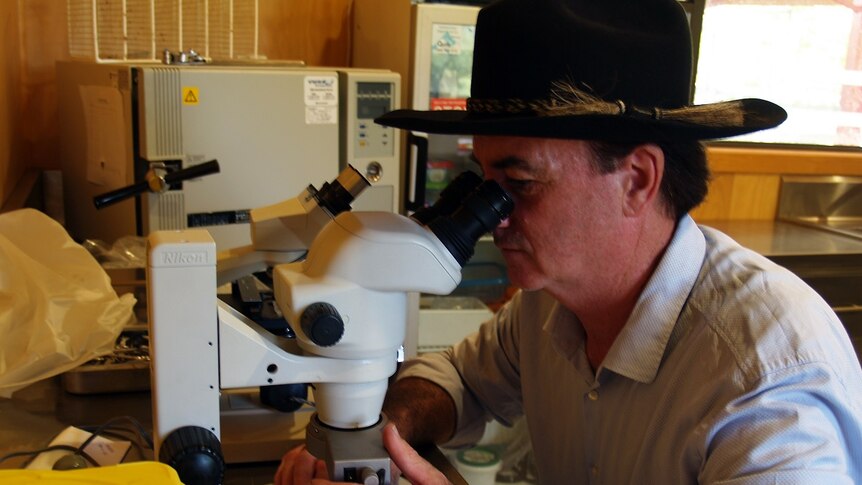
351 455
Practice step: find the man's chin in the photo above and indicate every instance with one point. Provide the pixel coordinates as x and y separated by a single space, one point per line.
523 278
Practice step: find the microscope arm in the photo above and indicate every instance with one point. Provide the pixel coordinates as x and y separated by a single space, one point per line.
200 345
235 263
250 356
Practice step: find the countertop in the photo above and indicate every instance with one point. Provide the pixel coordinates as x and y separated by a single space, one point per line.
37 413
785 239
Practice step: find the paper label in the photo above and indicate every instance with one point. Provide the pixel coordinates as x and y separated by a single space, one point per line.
321 100
104 451
321 91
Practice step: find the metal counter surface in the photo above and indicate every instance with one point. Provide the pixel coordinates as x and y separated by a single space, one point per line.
779 238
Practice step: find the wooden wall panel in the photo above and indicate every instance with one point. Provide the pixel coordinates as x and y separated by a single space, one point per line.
754 197
33 38
718 199
314 31
12 161
43 43
743 159
740 197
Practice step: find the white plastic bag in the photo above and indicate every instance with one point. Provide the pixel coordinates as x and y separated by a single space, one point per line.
57 307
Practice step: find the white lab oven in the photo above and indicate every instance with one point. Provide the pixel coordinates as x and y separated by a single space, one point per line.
274 129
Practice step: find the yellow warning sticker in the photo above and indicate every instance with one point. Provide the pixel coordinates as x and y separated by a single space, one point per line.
190 95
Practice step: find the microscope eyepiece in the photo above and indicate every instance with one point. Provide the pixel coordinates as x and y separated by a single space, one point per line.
337 196
450 198
480 212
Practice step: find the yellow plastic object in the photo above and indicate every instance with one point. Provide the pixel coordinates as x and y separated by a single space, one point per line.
133 473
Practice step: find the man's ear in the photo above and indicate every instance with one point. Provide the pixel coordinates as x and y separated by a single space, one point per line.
643 169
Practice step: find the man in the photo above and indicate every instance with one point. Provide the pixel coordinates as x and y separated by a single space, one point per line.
642 348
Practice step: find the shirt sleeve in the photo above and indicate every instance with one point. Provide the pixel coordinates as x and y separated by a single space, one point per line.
481 373
799 425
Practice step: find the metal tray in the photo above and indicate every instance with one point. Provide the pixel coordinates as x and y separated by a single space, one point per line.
126 369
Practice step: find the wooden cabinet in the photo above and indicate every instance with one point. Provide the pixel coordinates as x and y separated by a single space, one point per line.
745 181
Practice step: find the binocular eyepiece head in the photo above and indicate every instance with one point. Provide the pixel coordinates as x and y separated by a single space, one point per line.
467 209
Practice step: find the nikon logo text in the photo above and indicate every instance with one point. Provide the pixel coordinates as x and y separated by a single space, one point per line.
184 258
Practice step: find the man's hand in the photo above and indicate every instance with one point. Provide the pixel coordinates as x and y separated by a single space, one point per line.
299 467
412 466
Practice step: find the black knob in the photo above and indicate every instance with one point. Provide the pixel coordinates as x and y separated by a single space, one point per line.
195 453
322 324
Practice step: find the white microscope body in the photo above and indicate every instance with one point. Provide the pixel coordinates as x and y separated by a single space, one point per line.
361 267
346 301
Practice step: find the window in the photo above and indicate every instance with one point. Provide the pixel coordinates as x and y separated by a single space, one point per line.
805 55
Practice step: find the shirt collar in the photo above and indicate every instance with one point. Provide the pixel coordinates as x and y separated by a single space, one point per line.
638 349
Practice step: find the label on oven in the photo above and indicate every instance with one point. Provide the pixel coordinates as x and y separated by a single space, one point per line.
321 100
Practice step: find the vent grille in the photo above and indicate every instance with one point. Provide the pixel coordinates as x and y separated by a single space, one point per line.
168 114
140 30
172 212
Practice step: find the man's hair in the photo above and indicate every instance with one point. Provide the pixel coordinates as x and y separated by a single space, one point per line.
686 173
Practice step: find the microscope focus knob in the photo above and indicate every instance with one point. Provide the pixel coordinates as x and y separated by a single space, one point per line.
195 453
322 324
368 476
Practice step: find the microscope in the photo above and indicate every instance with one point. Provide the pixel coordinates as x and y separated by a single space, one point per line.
346 299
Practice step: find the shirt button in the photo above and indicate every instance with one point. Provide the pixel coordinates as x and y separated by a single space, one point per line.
593 395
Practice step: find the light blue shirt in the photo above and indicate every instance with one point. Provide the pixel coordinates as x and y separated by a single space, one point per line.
730 369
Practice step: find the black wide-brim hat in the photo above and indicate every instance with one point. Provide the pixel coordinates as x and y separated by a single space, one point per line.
587 69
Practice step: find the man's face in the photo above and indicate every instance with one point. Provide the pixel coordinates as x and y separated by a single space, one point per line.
563 231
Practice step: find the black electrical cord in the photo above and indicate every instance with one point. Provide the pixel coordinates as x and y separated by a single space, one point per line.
109 427
34 453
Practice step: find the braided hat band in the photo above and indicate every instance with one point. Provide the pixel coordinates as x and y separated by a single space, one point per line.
568 100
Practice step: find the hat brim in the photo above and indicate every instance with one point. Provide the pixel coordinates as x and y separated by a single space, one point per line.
757 114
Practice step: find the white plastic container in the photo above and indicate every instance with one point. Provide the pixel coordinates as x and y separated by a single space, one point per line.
479 465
